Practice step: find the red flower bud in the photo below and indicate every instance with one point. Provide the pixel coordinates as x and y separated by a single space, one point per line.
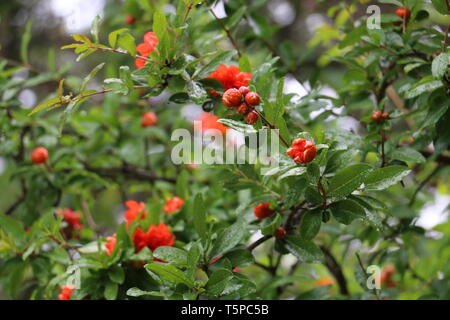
244 90
129 19
243 109
251 117
403 12
149 119
262 210
66 292
252 99
385 115
110 244
39 155
280 233
232 98
173 204
376 116
302 150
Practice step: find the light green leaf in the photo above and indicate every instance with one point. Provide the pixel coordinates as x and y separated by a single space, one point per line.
200 216
228 238
440 65
304 250
172 255
347 180
408 155
90 76
136 292
170 273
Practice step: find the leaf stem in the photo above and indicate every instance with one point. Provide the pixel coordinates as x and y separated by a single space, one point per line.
228 32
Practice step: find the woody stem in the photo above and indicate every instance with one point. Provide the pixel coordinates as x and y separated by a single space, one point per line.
271 126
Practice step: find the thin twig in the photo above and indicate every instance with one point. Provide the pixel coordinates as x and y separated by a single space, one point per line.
336 270
227 31
424 182
255 244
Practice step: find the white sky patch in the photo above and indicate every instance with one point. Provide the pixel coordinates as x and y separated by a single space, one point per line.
27 98
77 14
435 212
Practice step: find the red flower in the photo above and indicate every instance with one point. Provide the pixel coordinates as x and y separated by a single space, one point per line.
231 77
71 217
149 119
66 292
155 237
252 117
386 276
110 244
145 48
134 209
173 204
262 210
302 151
39 155
209 121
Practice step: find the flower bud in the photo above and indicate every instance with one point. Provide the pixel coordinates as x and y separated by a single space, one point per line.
243 109
232 98
376 116
403 12
302 150
262 210
252 99
149 119
244 90
251 117
39 155
280 233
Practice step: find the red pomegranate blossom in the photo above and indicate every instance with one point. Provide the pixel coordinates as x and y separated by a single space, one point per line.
209 121
66 292
134 210
39 155
149 119
71 217
145 48
302 151
173 204
155 237
386 275
110 244
231 77
262 210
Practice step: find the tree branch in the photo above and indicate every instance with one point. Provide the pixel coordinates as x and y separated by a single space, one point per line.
336 270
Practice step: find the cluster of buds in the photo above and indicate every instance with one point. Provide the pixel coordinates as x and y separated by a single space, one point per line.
244 101
378 116
302 150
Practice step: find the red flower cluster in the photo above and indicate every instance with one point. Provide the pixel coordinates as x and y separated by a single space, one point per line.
66 292
149 119
72 218
173 204
244 101
110 244
145 48
378 116
39 155
263 210
155 237
386 276
134 210
231 77
209 121
302 151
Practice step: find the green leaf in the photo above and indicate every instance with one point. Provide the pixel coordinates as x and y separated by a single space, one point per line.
116 86
136 292
12 226
193 258
170 273
440 65
218 281
172 255
95 28
116 274
383 178
215 62
180 98
126 41
111 290
240 257
270 225
347 180
304 250
228 238
236 17
238 125
310 224
46 104
408 155
422 87
345 211
244 64
91 76
112 37
196 92
25 41
200 216
440 6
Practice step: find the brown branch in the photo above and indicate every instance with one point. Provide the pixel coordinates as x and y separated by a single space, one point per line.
336 270
255 244
272 126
